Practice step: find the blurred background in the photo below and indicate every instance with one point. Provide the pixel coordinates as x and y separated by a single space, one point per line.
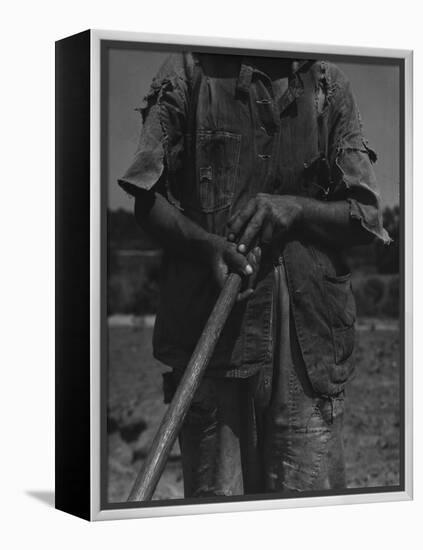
135 406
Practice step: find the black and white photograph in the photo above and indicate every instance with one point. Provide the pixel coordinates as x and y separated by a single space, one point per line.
210 309
253 213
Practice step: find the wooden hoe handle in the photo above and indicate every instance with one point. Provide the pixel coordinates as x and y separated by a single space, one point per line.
155 462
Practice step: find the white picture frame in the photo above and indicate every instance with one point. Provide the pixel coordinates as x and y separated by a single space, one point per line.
97 510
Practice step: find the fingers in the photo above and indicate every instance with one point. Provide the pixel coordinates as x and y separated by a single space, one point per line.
239 219
237 262
227 259
221 272
244 295
253 258
252 230
257 256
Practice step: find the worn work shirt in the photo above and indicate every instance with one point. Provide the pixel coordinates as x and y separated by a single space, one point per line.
219 129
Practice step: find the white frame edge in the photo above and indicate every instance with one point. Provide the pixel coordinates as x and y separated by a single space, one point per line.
95 273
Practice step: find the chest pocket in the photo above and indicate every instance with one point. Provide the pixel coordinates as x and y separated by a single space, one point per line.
217 167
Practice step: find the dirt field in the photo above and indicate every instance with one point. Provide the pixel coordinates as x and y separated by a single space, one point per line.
135 410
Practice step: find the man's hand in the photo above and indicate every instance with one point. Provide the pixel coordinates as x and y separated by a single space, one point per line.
225 258
265 218
181 236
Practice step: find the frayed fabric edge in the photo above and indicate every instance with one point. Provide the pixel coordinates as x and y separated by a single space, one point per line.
379 233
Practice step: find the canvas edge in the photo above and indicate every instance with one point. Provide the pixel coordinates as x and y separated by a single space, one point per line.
408 270
95 276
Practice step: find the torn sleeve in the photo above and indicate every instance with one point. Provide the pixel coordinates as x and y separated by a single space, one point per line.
158 157
351 161
148 162
357 183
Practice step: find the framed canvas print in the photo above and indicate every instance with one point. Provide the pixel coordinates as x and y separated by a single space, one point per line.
233 275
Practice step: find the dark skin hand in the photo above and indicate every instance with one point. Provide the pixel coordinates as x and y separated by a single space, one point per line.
184 237
270 218
264 219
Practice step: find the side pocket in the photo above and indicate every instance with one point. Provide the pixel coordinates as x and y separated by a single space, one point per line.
217 167
342 314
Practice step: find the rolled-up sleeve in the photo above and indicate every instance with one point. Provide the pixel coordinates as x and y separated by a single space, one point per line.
161 143
351 160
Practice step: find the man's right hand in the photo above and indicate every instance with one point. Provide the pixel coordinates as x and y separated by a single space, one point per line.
225 258
181 236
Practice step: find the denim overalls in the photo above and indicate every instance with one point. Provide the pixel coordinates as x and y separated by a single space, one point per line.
217 130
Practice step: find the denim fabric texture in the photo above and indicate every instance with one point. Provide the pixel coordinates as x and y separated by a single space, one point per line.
266 433
216 131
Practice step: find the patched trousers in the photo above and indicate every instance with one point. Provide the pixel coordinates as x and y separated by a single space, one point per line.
266 433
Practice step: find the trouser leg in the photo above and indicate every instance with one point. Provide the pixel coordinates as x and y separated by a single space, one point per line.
221 438
210 442
303 439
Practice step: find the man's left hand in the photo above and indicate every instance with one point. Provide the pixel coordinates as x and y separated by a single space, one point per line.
264 219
